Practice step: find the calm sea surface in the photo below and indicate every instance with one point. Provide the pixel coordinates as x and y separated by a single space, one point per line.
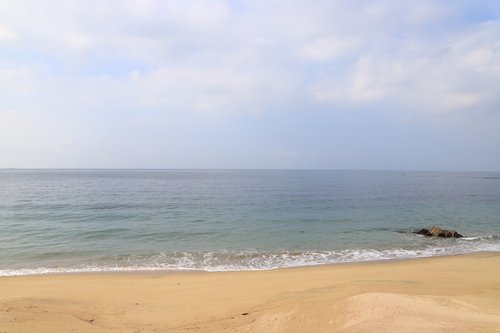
215 220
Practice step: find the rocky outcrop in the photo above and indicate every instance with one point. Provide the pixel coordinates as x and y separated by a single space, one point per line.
438 232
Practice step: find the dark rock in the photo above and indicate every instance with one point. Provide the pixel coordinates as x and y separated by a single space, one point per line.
449 233
438 232
424 232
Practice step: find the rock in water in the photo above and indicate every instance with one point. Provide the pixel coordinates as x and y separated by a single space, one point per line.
424 232
449 233
438 232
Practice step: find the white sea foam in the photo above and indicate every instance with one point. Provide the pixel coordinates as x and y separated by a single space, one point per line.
224 260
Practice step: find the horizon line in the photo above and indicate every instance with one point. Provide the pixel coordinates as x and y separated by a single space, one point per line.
243 169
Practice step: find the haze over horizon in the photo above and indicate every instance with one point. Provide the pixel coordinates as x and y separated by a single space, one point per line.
365 85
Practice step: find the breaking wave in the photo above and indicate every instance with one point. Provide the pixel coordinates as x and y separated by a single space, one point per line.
224 260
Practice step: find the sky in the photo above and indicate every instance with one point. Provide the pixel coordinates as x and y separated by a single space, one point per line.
373 85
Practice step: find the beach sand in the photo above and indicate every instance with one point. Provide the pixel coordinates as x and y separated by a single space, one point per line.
445 294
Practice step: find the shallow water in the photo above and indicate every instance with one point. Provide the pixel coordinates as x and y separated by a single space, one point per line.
113 220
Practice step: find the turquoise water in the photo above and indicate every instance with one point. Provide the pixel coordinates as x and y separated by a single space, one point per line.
114 220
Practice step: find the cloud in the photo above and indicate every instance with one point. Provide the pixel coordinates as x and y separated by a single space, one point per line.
460 72
7 34
148 59
329 48
210 54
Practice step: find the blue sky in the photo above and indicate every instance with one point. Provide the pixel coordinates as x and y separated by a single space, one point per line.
411 85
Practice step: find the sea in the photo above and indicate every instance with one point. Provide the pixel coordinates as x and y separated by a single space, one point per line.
63 221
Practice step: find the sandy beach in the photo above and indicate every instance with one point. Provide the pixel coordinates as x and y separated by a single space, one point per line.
444 294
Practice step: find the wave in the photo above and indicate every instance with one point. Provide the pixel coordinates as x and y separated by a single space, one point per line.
224 260
481 238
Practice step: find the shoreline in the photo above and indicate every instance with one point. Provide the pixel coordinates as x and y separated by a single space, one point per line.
155 271
458 293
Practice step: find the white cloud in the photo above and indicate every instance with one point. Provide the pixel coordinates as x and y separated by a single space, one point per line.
211 55
7 34
458 73
329 48
108 59
79 41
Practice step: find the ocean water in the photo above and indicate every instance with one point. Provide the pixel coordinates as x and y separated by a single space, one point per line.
219 220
